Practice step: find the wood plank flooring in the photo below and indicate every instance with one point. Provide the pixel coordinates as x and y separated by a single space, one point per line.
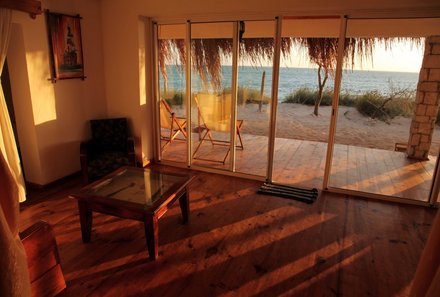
239 243
301 163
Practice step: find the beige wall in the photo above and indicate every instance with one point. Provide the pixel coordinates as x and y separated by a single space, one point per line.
122 45
52 117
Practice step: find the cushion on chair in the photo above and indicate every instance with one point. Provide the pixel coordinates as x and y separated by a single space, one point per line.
109 134
105 163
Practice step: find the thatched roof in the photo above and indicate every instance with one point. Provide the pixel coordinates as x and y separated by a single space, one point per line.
207 53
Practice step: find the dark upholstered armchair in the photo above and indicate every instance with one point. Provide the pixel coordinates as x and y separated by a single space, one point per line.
109 149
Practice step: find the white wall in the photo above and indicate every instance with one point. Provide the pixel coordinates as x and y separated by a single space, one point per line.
52 119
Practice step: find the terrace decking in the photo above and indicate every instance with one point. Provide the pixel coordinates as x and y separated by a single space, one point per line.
301 162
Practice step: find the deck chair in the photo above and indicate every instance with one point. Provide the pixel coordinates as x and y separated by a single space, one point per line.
170 122
214 115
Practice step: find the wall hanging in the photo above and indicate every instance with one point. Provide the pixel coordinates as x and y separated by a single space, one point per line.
65 45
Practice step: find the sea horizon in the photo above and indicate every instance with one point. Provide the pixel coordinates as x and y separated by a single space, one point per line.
354 82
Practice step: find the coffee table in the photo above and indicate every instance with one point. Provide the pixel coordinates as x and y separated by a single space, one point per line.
140 194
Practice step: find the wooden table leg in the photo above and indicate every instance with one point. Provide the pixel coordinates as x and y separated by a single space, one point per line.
184 206
152 236
85 219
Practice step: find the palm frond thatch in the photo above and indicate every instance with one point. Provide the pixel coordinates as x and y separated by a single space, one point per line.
207 54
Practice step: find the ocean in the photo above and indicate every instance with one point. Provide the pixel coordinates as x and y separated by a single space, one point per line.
354 82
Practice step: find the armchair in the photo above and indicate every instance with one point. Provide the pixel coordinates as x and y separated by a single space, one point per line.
109 148
43 260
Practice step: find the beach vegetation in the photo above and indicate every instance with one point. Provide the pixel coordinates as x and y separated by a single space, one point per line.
173 97
378 106
245 95
308 97
249 95
399 102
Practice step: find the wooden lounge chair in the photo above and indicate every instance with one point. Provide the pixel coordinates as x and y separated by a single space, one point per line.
214 115
169 121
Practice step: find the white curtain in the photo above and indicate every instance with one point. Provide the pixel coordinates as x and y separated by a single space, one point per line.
8 146
14 275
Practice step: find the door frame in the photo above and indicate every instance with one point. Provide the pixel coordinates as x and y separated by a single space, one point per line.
435 186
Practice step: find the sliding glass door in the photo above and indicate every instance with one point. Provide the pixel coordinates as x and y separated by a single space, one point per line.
211 94
171 90
254 102
376 137
309 47
386 140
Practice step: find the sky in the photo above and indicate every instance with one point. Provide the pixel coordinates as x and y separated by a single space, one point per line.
403 57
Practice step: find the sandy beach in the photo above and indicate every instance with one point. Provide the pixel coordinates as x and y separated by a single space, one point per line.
298 122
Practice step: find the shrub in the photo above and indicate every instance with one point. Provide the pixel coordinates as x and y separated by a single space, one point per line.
375 105
248 95
308 97
347 99
173 97
305 96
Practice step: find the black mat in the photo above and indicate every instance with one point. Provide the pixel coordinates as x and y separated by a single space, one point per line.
299 194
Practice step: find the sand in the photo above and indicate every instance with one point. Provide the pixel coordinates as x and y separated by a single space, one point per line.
298 122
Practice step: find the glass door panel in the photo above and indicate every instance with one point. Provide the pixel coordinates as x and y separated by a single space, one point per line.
304 100
211 94
172 80
254 96
384 120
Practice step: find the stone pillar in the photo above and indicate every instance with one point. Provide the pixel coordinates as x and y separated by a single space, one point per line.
427 102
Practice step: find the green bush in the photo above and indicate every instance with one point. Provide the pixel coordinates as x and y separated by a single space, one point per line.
248 95
244 95
308 97
374 105
347 99
173 97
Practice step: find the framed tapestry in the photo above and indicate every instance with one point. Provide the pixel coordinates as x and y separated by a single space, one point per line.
65 45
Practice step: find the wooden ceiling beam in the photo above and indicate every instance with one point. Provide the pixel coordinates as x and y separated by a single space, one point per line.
33 7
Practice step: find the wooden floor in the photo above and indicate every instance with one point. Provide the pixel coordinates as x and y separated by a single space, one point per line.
239 243
301 162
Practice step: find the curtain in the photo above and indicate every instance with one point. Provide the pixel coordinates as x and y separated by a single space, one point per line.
8 146
14 275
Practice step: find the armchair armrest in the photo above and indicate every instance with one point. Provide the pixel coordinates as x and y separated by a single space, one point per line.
131 152
83 157
45 272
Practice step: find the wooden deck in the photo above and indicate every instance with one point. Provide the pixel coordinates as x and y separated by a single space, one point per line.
300 162
239 243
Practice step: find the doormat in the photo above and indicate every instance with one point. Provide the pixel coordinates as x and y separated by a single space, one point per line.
304 195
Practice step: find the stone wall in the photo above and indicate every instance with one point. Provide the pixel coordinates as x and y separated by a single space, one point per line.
427 101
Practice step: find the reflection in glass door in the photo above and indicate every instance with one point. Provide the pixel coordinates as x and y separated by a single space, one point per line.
211 94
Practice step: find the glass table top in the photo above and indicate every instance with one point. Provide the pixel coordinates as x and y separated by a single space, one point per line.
139 186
